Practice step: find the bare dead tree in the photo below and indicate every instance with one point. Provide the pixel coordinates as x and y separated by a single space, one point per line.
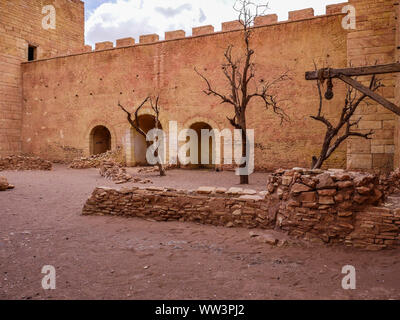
336 134
240 74
156 109
135 123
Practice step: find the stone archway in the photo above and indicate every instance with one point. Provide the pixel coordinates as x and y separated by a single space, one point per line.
147 122
197 127
100 140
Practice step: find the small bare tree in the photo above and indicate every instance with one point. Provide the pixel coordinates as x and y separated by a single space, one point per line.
336 134
136 125
240 74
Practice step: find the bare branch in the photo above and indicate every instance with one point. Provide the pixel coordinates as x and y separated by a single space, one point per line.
210 91
134 123
332 139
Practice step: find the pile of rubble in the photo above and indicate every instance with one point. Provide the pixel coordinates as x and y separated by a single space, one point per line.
4 185
152 169
94 161
21 162
391 182
113 171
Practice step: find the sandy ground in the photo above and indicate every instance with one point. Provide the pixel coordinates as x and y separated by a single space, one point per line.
120 258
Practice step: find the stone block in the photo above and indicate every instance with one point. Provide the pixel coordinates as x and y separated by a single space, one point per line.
125 42
301 14
335 8
249 197
206 190
327 192
104 45
149 38
232 25
298 188
367 125
198 31
235 191
266 20
359 161
383 161
326 200
308 197
249 192
171 35
377 149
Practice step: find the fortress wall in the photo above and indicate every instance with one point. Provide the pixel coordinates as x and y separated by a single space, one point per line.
374 41
64 98
21 25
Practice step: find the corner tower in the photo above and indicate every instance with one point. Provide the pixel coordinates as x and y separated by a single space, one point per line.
29 30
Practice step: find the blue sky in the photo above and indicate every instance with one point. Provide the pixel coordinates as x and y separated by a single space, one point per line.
108 20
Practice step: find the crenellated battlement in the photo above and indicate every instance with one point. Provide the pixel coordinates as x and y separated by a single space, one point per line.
85 84
228 26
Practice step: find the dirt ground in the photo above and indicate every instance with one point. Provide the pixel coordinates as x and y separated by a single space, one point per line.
120 258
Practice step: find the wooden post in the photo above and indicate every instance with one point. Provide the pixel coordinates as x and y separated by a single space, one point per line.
345 75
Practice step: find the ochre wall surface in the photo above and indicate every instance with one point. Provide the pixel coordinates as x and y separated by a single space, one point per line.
374 41
66 97
20 26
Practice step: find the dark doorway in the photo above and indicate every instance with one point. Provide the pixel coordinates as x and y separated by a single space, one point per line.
32 53
100 140
198 126
147 123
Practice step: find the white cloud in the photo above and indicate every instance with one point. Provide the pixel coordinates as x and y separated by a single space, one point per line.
132 18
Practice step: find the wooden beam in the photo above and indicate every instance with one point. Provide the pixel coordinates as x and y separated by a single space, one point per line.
350 72
368 92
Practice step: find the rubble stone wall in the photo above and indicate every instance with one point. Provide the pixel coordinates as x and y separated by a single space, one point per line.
333 207
24 163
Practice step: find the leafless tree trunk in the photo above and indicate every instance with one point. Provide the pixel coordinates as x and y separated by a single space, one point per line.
240 74
136 125
156 109
336 134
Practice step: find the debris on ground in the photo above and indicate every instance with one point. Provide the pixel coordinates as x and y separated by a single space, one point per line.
94 161
22 162
113 171
4 185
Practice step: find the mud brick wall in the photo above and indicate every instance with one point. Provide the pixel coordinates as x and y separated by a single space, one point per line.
75 93
332 207
20 26
24 163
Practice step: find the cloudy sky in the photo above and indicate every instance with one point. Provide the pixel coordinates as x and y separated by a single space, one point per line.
108 20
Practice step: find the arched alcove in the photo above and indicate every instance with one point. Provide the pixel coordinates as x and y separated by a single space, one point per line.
146 122
100 140
198 126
